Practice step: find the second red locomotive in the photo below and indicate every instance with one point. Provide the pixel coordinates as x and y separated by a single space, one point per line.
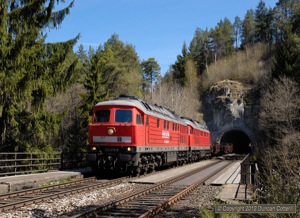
130 135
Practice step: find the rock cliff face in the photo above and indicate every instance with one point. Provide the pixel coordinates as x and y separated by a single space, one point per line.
230 114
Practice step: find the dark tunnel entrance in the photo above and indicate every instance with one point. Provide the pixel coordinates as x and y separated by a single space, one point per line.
239 140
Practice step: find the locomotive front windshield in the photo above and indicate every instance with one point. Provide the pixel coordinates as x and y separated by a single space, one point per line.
123 116
102 116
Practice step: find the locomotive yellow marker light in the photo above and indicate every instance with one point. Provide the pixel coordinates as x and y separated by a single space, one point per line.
110 131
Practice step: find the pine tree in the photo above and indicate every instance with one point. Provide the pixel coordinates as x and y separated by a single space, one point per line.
200 50
30 70
264 22
287 53
83 63
151 73
95 85
222 39
228 34
82 56
237 31
248 29
296 19
178 69
271 29
287 56
285 12
123 69
113 70
286 9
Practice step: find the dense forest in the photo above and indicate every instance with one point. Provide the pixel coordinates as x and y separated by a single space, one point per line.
47 90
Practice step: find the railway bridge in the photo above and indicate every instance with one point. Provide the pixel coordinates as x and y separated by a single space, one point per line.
230 112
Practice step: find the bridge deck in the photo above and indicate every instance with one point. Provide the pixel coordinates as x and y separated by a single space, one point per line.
230 176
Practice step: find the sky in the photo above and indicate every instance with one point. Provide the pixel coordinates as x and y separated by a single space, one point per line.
156 28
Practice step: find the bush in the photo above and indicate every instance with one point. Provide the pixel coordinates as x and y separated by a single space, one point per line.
249 66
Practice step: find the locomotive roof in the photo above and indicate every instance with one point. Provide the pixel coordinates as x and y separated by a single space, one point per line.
147 108
203 127
194 124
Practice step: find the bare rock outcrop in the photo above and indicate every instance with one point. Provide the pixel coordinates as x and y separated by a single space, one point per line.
230 106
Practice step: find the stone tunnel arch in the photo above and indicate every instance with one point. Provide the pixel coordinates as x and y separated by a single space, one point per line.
241 139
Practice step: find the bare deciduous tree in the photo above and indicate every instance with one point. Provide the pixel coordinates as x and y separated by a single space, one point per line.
280 173
280 109
279 155
183 101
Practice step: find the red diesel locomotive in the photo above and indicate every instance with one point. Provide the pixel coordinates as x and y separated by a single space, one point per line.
130 135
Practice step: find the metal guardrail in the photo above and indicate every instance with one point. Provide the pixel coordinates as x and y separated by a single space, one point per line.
16 163
249 172
13 163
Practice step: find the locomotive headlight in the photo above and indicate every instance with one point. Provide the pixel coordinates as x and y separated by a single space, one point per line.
94 148
110 131
129 149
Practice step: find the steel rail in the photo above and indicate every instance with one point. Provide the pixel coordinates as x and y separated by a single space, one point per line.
44 188
171 201
45 195
94 211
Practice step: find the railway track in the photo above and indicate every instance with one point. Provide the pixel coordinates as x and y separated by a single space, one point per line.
159 195
14 200
154 199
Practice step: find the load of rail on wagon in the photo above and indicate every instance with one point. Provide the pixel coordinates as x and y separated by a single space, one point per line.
130 135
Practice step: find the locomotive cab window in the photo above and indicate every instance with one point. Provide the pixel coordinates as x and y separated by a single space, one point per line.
139 119
102 116
123 116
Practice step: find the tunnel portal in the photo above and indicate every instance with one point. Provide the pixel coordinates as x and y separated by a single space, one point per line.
240 141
